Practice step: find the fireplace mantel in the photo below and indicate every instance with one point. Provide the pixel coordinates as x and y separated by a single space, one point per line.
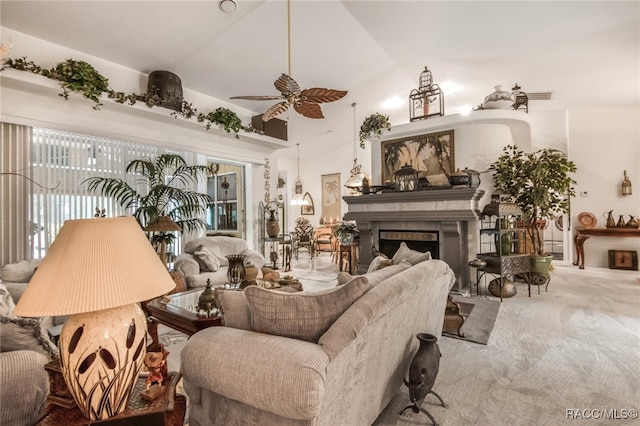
448 211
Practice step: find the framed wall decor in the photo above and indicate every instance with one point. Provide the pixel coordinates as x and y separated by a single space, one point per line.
623 259
431 154
308 209
331 201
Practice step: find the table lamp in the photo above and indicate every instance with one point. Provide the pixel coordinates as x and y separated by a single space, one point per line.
163 224
97 270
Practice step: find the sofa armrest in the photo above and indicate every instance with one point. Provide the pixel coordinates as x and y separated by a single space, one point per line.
275 374
253 257
186 264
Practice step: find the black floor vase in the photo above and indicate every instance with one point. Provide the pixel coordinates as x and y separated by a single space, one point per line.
422 374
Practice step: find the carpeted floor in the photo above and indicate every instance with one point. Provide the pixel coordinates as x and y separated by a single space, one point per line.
568 352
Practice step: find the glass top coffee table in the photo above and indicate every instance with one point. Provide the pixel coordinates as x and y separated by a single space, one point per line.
178 311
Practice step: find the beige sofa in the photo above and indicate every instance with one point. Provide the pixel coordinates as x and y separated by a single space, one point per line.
234 376
196 273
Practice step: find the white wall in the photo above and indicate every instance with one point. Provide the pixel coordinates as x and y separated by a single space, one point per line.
603 142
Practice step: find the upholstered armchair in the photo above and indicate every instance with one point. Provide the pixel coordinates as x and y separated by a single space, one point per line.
25 348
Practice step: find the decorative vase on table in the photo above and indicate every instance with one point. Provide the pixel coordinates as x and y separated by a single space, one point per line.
236 271
273 227
423 372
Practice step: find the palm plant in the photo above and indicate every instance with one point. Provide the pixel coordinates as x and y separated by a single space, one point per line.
163 183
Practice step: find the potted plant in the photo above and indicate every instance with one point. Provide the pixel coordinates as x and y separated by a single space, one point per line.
346 232
373 125
163 180
540 183
228 119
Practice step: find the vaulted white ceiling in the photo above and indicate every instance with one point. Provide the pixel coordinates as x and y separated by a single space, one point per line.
586 53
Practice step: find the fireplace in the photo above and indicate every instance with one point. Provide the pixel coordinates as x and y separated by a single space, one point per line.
442 221
389 241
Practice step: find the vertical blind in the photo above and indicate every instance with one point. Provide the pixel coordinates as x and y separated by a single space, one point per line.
15 187
61 161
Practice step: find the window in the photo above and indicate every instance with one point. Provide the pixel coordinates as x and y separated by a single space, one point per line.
225 212
61 161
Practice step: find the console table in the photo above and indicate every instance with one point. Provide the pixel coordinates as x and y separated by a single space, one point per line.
583 234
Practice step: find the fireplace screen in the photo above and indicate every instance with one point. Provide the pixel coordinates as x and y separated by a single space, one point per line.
389 242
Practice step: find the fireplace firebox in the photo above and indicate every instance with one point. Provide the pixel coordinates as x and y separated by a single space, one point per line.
389 241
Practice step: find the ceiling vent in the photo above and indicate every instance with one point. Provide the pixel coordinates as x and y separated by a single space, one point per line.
540 96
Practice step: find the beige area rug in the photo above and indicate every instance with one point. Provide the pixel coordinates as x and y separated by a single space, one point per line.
571 351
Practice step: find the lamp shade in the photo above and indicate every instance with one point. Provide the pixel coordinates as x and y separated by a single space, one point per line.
95 264
162 224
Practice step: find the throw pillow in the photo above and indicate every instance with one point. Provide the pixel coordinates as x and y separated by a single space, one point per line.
412 256
6 302
20 272
25 334
206 259
298 315
235 309
375 263
378 276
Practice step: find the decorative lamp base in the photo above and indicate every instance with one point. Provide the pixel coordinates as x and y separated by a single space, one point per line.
101 354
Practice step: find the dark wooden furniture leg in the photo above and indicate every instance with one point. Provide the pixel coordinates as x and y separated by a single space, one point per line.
578 241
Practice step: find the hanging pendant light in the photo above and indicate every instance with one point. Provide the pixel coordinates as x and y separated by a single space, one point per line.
357 177
298 199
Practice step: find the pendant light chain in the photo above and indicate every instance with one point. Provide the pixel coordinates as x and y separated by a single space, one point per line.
298 145
355 149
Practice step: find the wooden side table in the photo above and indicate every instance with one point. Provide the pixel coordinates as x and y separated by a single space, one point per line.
167 409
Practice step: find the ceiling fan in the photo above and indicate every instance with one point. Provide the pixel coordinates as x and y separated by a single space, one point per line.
306 102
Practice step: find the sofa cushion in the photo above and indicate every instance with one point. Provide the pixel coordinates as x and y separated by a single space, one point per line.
376 277
412 256
6 302
303 316
20 272
235 309
206 259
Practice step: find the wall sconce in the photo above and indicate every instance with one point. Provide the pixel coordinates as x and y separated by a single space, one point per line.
626 185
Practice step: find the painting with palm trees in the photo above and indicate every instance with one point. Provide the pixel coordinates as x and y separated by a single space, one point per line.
331 200
431 154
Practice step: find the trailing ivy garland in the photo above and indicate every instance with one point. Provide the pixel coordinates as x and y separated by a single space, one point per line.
81 77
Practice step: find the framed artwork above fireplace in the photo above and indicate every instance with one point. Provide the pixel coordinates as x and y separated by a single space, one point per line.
431 154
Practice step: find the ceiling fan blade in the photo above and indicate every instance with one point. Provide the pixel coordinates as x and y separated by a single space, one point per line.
258 98
275 110
320 95
286 85
308 109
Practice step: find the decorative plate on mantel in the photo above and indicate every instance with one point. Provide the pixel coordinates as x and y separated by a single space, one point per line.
588 220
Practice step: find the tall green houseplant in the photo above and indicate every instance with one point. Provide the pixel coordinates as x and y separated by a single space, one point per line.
539 182
163 183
